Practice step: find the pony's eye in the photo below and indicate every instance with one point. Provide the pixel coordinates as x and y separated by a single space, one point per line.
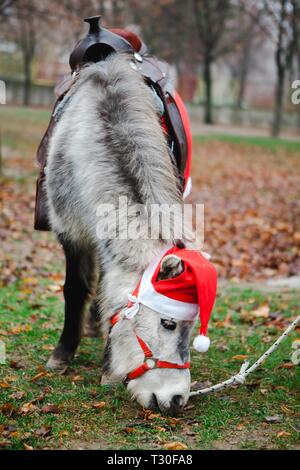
168 324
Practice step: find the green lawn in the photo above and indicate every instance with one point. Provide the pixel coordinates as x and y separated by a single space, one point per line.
30 325
269 143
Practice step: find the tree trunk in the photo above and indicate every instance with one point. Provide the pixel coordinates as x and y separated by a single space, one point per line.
243 72
279 93
208 118
27 80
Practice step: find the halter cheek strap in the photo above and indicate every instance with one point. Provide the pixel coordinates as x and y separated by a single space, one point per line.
150 362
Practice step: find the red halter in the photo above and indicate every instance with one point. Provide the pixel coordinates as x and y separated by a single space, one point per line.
150 362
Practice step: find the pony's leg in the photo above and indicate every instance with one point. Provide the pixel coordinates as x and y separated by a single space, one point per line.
92 324
77 288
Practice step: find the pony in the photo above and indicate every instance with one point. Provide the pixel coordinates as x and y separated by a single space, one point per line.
107 144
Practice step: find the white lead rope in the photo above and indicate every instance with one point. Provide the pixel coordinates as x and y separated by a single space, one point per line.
240 378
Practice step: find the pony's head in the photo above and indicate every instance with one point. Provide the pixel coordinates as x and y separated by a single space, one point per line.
148 344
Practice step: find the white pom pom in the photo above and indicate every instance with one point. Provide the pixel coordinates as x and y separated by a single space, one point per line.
201 343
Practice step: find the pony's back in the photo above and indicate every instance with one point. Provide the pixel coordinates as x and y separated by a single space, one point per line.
108 143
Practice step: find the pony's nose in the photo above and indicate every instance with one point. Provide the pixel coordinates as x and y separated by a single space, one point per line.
176 403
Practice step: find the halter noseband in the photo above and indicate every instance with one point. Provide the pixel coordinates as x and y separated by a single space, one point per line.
150 362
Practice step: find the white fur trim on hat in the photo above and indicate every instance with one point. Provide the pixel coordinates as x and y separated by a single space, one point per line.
201 343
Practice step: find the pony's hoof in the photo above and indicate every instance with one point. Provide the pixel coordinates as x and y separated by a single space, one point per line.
57 365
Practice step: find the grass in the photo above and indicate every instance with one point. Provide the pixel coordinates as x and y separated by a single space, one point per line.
269 143
29 123
30 325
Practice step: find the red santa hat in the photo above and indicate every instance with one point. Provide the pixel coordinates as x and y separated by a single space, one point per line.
183 297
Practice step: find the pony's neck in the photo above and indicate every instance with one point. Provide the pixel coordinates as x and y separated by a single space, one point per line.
123 274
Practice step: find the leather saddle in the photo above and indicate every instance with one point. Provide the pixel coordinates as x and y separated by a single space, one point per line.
98 44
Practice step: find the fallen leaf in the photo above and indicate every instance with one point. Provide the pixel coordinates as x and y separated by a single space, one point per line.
4 385
129 430
273 419
39 376
176 445
173 421
28 408
261 312
240 426
16 330
4 444
11 378
240 357
7 409
17 395
48 347
55 287
16 365
99 405
283 434
50 408
30 280
149 414
27 447
43 431
159 428
77 378
287 365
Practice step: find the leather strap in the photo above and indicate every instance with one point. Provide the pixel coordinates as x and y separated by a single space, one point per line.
150 362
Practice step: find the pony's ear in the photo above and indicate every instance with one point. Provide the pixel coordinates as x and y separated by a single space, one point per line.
171 266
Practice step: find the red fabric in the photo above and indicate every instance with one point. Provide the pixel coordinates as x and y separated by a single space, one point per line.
138 371
132 38
186 124
146 350
171 365
196 284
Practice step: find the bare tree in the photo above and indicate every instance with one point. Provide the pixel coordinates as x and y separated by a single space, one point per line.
284 17
212 21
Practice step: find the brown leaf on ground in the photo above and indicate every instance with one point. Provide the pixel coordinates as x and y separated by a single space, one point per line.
43 431
4 385
16 365
8 409
176 445
50 408
287 365
16 330
149 414
240 357
4 444
17 395
77 378
283 434
28 408
27 447
273 419
48 347
261 312
39 376
129 430
99 406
